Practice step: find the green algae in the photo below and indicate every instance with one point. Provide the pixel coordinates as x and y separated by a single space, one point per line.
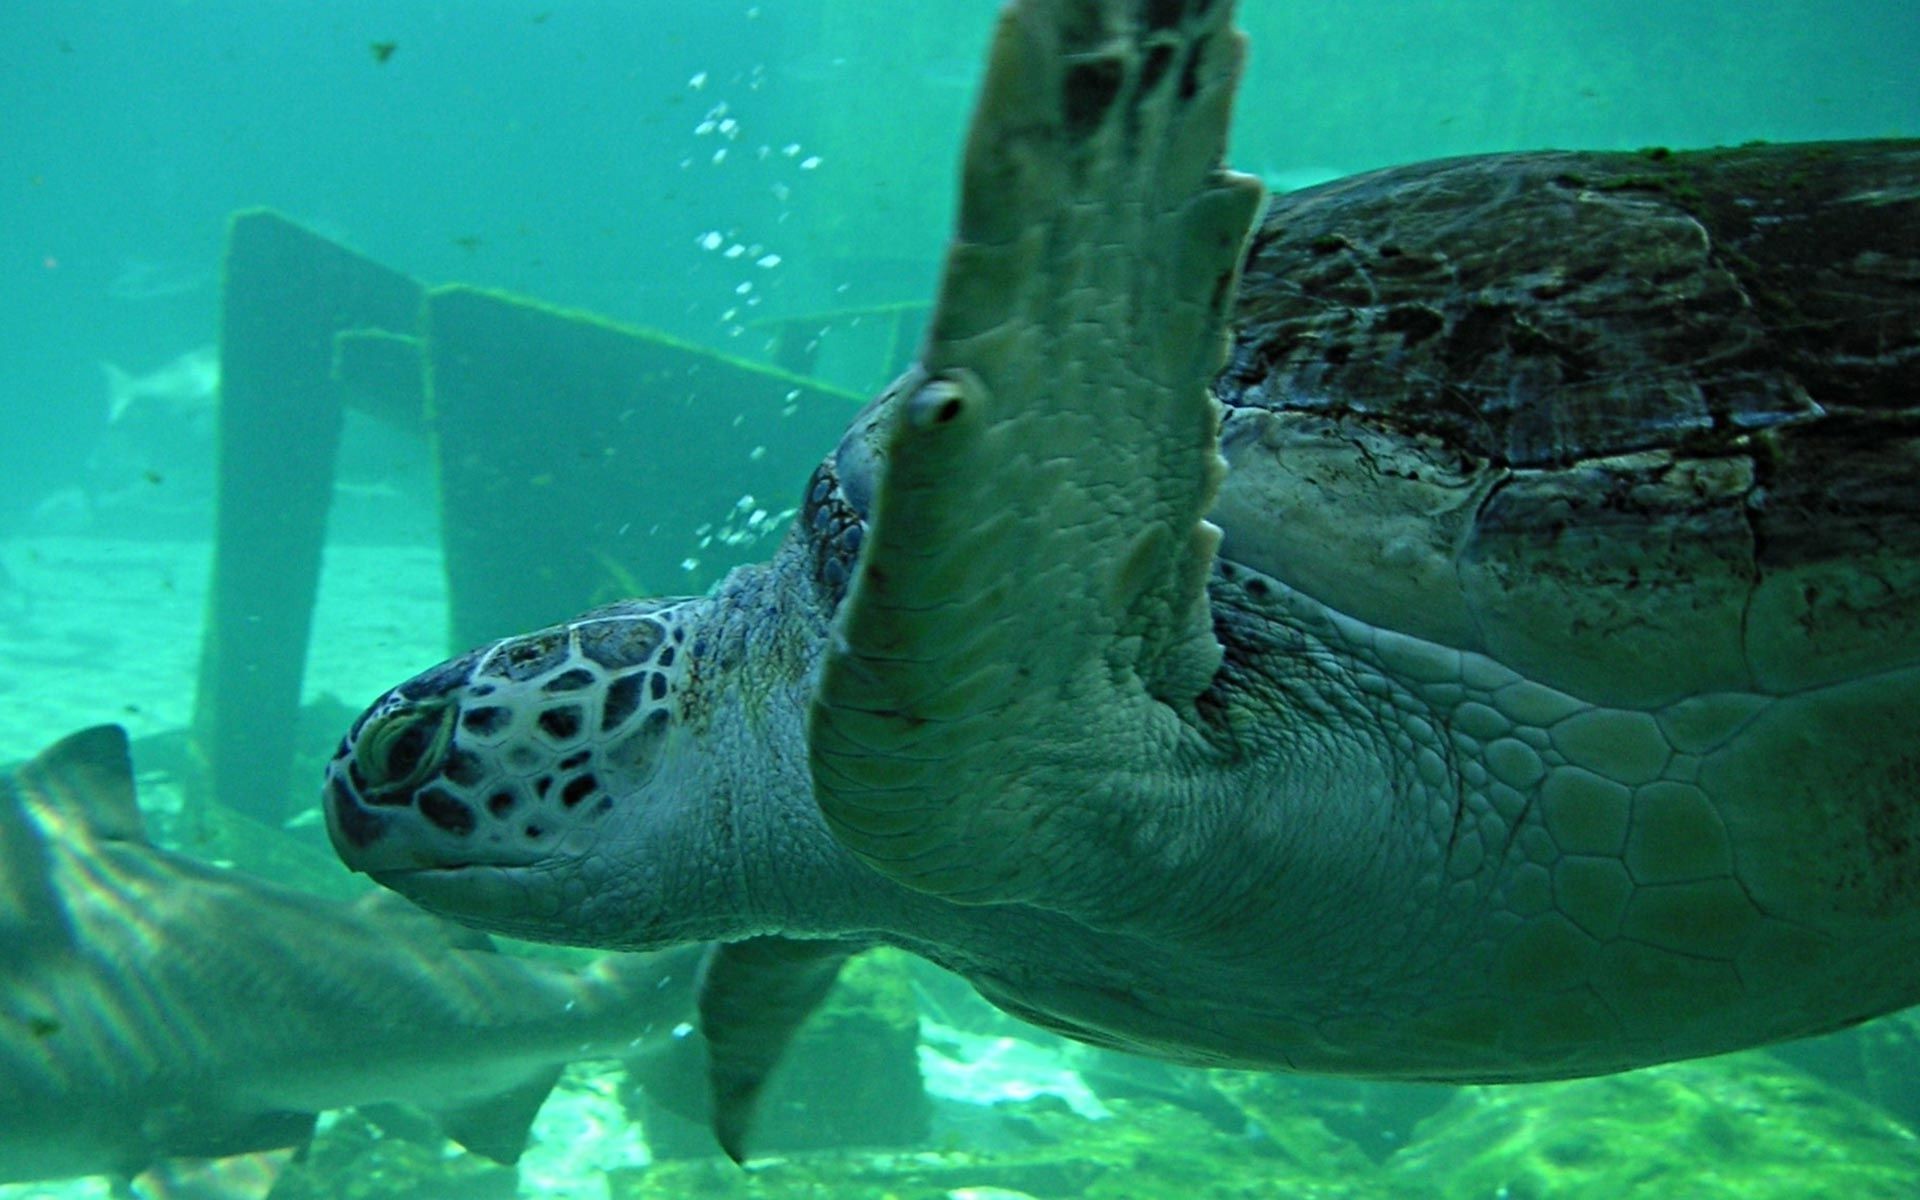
1745 1127
1143 1150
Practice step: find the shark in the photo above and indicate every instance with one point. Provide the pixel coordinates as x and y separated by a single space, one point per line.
157 1011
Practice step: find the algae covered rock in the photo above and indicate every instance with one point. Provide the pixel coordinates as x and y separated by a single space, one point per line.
356 1160
1328 1118
1744 1127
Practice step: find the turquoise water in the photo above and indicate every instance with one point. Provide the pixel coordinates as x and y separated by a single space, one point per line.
552 149
771 182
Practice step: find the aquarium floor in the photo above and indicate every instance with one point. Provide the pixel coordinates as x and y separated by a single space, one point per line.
95 630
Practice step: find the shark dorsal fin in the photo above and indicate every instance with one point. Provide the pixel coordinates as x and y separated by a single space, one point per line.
32 920
84 782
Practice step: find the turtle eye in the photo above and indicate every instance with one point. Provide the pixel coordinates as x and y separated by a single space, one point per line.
398 750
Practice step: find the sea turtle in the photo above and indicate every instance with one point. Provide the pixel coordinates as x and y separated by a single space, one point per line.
1550 706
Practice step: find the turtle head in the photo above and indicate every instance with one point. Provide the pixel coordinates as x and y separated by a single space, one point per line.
834 512
607 780
489 788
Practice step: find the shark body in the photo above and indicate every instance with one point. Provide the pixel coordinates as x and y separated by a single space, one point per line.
153 1007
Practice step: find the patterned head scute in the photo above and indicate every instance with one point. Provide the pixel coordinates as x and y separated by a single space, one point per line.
834 529
499 755
833 517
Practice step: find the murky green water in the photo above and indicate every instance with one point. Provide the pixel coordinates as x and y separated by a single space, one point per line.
767 187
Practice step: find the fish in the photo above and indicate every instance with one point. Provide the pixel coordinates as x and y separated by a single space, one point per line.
187 388
157 1011
144 279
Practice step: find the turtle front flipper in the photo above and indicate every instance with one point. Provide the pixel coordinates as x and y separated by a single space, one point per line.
1028 625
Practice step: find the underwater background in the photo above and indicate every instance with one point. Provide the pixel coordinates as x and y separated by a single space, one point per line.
751 199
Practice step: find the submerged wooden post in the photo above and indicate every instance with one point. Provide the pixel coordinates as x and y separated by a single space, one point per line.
582 461
287 293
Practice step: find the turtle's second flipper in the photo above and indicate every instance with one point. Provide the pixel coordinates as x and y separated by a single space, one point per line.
754 997
1029 615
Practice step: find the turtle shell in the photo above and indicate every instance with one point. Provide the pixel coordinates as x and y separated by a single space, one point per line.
1641 426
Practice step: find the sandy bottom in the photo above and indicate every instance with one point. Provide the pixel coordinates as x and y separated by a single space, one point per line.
98 630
